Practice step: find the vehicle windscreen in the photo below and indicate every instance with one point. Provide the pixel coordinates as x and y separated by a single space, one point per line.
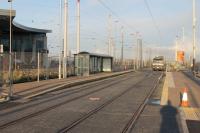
158 61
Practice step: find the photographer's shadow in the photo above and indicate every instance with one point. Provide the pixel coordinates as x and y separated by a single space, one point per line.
169 119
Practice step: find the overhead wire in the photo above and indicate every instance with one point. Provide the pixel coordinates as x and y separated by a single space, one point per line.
153 19
124 22
116 15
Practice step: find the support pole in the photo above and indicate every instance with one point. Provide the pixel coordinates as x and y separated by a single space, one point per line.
141 53
116 39
65 38
194 36
61 41
138 54
10 54
122 47
133 49
78 27
15 54
137 51
38 73
109 35
149 57
60 60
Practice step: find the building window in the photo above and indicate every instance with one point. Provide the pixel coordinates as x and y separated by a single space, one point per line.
39 45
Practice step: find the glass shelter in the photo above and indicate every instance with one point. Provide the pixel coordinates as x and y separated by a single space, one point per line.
90 63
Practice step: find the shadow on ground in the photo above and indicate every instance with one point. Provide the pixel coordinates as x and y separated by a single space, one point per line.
169 122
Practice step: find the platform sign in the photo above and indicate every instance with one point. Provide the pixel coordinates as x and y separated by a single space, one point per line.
1 49
180 56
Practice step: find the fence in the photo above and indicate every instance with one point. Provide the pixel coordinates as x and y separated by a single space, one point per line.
5 76
28 66
119 65
31 67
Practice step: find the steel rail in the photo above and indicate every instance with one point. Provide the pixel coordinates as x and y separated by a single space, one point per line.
94 111
131 123
8 124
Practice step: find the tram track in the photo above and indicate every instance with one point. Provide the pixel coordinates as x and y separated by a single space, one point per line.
131 123
96 83
96 110
40 112
61 93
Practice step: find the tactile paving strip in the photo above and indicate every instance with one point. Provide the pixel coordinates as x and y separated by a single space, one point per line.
191 113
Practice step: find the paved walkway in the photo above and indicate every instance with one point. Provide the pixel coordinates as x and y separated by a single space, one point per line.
169 117
174 84
160 117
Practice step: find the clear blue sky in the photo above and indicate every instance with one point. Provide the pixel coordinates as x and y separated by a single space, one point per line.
170 16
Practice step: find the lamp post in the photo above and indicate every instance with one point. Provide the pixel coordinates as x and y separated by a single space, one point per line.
10 52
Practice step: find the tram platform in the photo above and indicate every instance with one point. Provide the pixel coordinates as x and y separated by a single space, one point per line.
163 113
32 89
174 85
159 115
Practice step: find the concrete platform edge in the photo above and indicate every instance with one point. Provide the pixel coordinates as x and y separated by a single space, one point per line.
164 97
75 84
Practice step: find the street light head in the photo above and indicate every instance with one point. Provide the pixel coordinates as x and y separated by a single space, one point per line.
9 0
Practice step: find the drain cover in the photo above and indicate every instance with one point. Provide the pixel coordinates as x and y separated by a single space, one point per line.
154 101
94 98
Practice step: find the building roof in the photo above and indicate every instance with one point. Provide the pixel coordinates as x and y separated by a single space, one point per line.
17 25
95 54
4 23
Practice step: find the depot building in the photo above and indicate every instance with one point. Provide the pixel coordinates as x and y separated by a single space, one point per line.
26 41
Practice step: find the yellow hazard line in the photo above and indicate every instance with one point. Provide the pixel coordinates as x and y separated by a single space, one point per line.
164 97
